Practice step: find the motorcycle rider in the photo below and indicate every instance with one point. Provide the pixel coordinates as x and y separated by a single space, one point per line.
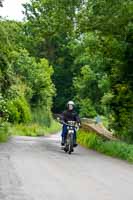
69 115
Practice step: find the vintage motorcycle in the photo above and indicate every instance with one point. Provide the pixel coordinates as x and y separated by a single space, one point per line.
69 141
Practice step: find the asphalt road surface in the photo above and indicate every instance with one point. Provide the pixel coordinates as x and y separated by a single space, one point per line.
37 169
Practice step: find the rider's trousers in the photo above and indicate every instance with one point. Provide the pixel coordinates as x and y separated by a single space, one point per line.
64 133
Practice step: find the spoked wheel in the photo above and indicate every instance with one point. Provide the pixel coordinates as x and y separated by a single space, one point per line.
70 144
66 148
69 151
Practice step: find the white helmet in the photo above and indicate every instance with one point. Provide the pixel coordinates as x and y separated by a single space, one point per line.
71 103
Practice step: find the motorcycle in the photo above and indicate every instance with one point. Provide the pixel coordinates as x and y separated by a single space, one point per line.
71 128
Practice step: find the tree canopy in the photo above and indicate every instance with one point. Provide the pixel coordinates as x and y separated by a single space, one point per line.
76 49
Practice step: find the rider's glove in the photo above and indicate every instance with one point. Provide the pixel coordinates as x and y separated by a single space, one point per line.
79 124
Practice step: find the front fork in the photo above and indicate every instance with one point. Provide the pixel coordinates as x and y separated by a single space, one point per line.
70 138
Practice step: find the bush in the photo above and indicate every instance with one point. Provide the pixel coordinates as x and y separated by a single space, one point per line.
19 110
24 109
112 148
14 115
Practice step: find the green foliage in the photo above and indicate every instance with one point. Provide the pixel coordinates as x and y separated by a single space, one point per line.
27 130
14 114
86 108
123 112
37 77
91 54
34 129
106 45
4 133
25 81
86 87
54 127
112 148
19 110
48 36
3 109
91 51
42 116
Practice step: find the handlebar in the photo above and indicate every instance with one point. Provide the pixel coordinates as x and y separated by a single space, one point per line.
62 122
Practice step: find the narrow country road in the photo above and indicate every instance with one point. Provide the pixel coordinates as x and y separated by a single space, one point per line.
37 169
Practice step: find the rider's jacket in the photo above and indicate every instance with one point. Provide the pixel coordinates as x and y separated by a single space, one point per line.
70 115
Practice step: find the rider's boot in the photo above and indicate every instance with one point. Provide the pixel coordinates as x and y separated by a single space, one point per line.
63 141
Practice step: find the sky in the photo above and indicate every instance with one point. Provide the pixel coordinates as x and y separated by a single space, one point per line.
12 9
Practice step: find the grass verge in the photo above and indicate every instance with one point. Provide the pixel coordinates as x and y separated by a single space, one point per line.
112 148
4 134
34 129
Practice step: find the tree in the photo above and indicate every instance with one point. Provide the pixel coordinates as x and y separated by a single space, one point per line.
50 27
111 22
25 82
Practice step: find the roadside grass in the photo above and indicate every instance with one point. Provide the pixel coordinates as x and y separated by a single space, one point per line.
34 129
117 149
4 133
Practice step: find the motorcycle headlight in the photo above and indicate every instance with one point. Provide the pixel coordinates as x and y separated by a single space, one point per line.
71 131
